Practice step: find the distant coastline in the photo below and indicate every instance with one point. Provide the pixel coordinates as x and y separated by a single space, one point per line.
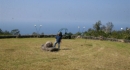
52 27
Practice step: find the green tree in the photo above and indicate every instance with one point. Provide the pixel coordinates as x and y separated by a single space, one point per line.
70 33
97 25
15 32
78 33
7 32
90 32
34 33
1 32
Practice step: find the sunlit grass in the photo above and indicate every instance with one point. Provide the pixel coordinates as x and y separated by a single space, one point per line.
75 54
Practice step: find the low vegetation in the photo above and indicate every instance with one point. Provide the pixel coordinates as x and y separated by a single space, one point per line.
97 30
75 54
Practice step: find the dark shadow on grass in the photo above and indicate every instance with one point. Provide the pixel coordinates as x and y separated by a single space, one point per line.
9 50
55 50
66 49
88 44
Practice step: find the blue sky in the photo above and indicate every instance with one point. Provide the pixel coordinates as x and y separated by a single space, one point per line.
56 14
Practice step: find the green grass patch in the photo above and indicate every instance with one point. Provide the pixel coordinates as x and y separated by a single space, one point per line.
75 54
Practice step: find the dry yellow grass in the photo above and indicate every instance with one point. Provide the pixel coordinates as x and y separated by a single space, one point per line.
75 54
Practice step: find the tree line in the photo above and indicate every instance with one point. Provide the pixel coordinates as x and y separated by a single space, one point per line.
97 30
106 31
13 32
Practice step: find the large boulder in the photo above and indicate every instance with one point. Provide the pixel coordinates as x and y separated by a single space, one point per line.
48 46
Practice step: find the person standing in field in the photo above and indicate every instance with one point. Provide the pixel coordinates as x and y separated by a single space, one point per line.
58 40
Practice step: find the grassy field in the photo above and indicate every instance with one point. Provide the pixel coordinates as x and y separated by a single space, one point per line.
75 54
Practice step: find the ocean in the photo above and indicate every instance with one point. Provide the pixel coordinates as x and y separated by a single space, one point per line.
27 28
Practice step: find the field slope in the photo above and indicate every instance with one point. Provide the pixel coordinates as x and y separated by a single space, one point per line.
75 54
